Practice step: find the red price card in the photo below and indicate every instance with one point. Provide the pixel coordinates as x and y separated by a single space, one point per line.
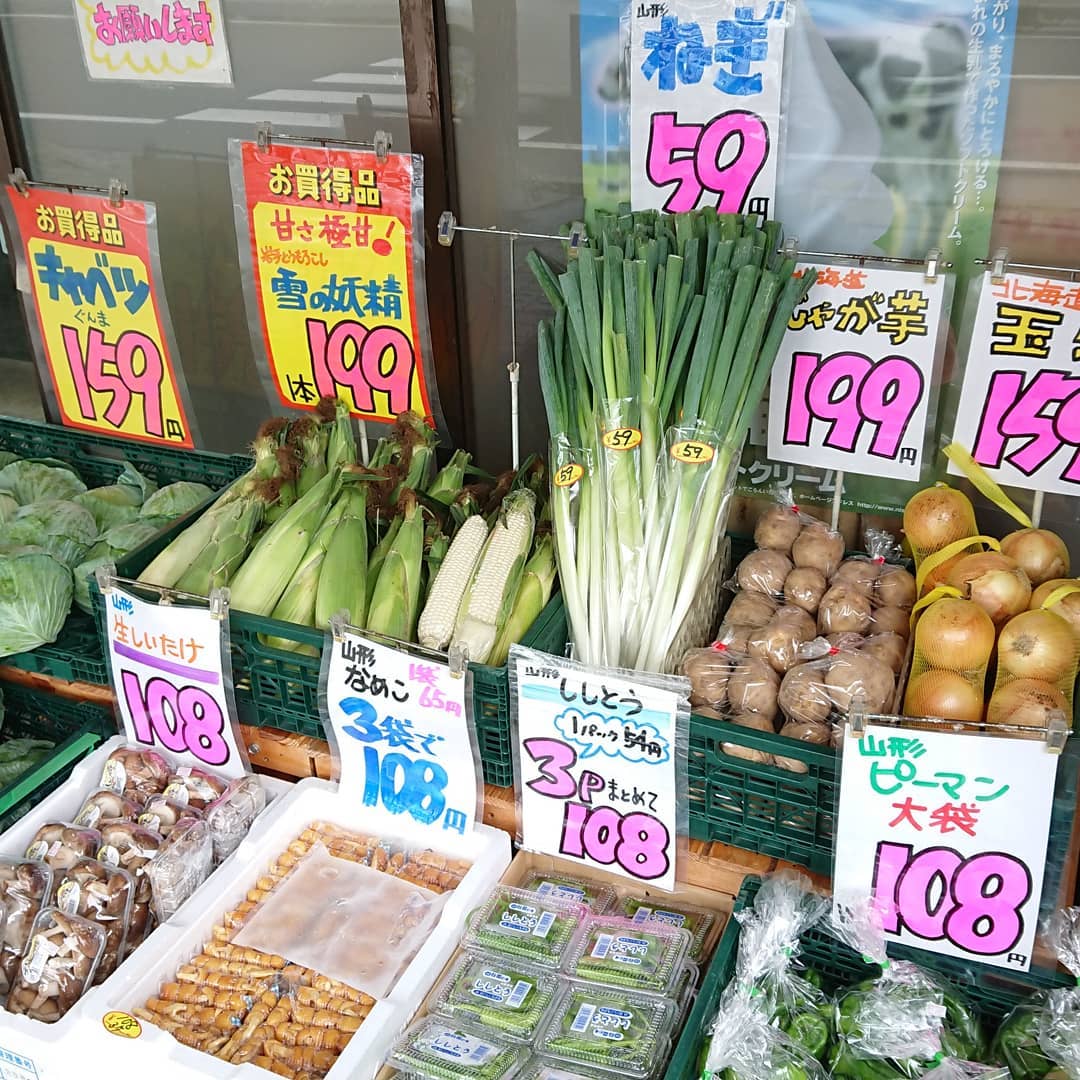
948 832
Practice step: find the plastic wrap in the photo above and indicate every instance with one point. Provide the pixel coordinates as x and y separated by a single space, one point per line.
697 921
103 895
599 898
104 807
194 787
162 815
184 862
708 671
764 571
954 1069
232 814
750 608
535 930
438 1049
613 951
25 887
135 772
819 547
60 845
845 609
57 967
779 641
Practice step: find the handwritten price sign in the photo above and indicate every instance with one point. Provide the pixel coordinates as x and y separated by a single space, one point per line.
853 385
705 83
949 832
98 316
1020 403
172 684
400 733
597 767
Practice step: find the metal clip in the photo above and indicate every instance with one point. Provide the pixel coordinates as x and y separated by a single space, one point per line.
577 238
106 577
1057 732
459 660
933 259
446 227
117 191
18 180
857 718
790 250
264 135
219 603
338 621
999 266
383 143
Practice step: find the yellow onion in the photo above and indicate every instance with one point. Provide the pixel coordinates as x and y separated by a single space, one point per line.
937 516
1068 607
1037 645
943 693
1042 554
1026 703
955 634
993 581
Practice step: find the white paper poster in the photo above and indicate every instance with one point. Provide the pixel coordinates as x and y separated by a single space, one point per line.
399 727
948 832
1019 410
597 767
172 680
169 41
705 81
854 382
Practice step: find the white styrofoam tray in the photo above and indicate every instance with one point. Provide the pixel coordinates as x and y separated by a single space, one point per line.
154 1052
52 1049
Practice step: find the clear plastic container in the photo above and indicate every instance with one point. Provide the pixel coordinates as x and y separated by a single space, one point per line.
538 1068
597 897
61 845
685 990
436 1048
135 772
609 1029
104 895
194 787
513 922
57 967
162 814
647 958
105 806
25 887
698 921
499 995
231 814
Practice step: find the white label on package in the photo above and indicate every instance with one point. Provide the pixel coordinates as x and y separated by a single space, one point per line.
401 735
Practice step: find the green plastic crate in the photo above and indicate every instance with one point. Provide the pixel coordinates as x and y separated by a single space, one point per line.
76 655
77 728
991 993
280 689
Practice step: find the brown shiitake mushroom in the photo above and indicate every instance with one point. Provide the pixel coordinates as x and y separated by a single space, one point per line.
764 571
778 528
844 609
819 547
804 587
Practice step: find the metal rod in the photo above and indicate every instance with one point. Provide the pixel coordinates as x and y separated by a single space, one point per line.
1070 271
70 187
862 260
984 726
165 593
493 231
837 498
512 368
321 140
1037 509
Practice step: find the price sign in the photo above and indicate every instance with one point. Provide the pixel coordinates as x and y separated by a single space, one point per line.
401 735
173 681
331 249
97 314
705 80
1020 403
598 765
852 387
948 832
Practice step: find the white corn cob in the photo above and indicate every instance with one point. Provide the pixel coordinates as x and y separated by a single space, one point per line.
441 610
490 597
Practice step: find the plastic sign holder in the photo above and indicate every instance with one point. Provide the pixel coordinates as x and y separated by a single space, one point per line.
447 228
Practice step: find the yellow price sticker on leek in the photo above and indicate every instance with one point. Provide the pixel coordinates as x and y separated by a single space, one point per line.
123 1024
692 452
624 438
569 474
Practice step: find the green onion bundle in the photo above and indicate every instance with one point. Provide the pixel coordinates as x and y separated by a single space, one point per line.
665 331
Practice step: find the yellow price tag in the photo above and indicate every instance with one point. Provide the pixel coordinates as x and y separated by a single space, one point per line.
624 438
692 452
569 474
123 1024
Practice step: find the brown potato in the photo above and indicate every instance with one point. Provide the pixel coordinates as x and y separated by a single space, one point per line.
819 734
818 547
858 571
753 687
844 609
859 674
803 697
750 608
708 671
895 587
889 648
778 528
764 571
804 587
891 620
756 722
801 620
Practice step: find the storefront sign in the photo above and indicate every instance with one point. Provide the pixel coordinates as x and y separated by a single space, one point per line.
331 244
852 386
173 681
597 766
948 831
705 104
1020 403
102 336
167 41
401 736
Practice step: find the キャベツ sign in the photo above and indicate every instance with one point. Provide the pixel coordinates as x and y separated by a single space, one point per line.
948 833
1019 409
400 733
91 284
853 385
173 681
705 81
170 41
331 244
598 765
